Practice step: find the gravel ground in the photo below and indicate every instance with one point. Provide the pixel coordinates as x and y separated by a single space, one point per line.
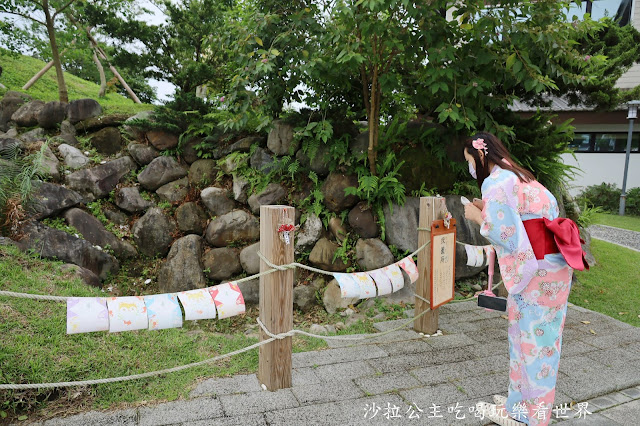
623 237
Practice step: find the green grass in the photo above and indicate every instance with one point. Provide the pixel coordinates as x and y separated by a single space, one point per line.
18 70
35 347
611 286
626 222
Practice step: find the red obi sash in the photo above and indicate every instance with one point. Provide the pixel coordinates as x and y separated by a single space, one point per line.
558 235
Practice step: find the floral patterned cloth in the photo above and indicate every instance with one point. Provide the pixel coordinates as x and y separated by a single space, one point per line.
538 292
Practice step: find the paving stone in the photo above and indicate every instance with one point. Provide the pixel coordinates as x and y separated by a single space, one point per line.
593 419
258 402
633 393
576 308
388 325
616 339
460 306
490 348
450 341
343 371
574 348
180 412
334 356
411 361
437 374
97 418
227 385
379 384
327 392
489 334
616 357
304 376
410 347
247 420
439 394
488 384
398 336
609 400
351 412
626 414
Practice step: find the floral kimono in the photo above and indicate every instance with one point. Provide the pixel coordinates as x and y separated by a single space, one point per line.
538 292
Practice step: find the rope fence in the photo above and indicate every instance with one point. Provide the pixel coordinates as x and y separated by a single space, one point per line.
272 336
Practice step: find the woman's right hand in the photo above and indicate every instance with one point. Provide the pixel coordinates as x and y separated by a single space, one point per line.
478 203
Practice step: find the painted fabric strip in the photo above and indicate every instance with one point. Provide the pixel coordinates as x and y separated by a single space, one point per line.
382 281
197 304
480 255
367 286
87 314
348 285
127 313
487 250
410 268
228 299
163 311
472 255
395 276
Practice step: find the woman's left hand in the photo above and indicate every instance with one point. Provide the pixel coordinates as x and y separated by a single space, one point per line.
473 213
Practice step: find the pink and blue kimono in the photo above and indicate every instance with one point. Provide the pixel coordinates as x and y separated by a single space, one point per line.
538 292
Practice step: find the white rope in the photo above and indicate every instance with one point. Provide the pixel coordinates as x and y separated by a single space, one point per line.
33 296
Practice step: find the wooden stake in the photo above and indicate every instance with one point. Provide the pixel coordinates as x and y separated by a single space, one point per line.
431 208
276 298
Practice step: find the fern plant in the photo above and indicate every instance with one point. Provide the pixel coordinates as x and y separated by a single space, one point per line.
17 173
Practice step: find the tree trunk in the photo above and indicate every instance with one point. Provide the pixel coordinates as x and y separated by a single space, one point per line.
62 87
373 121
103 79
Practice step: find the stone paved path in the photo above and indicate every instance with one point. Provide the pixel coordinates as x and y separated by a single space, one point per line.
345 385
622 237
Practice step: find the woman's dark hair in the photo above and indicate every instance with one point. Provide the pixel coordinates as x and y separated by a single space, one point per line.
496 152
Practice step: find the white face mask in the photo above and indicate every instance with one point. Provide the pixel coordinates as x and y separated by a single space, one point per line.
472 171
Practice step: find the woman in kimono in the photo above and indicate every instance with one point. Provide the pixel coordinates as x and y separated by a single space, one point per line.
515 212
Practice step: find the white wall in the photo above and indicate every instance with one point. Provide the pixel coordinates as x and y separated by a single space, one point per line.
631 78
596 168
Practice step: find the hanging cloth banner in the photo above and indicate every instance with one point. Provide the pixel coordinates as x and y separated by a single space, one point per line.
163 311
127 313
197 304
367 286
383 283
395 276
410 268
348 285
87 314
488 250
228 299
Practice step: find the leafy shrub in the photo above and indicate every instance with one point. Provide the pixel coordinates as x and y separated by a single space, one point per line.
607 197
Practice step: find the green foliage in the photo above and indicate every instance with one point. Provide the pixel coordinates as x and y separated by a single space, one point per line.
17 173
347 252
588 216
59 223
384 188
607 197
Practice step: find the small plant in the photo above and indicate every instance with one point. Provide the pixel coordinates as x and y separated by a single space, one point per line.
59 223
588 215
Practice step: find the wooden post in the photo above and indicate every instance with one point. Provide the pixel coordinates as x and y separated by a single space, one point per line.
276 298
431 208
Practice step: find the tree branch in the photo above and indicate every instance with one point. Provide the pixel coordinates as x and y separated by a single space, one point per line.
13 12
62 8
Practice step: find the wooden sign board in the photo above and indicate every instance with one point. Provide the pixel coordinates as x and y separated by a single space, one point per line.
443 262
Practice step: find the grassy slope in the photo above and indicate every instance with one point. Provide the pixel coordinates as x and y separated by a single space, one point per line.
625 222
18 70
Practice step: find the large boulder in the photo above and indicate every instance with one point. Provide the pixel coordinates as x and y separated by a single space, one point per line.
250 291
130 200
160 171
99 181
401 225
280 140
50 199
310 233
66 139
304 297
243 145
97 123
107 141
240 189
93 231
337 228
221 263
50 162
55 244
203 173
191 218
363 221
333 300
319 163
586 236
217 200
322 256
189 151
236 225
83 274
261 160
27 114
32 136
183 269
133 131
466 232
153 233
333 191
249 259
73 157
274 193
8 144
231 163
82 109
66 128
10 103
162 140
142 154
52 114
175 191
372 254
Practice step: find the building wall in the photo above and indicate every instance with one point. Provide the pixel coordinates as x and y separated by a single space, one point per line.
631 78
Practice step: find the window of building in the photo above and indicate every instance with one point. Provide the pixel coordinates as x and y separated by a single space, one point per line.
604 142
618 10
